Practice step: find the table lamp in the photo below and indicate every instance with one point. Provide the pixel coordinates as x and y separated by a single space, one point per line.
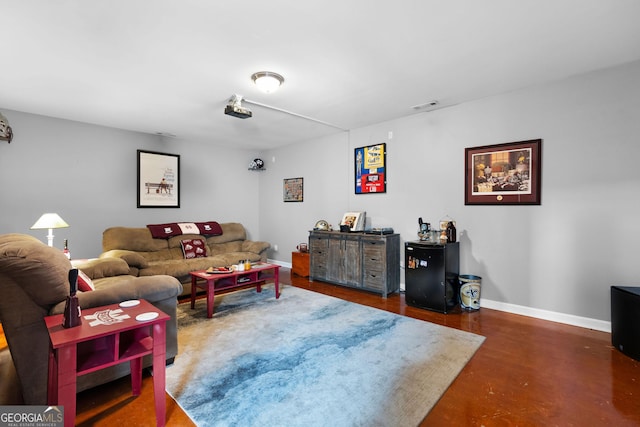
50 221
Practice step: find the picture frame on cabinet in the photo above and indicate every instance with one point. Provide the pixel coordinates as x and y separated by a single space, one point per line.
354 220
158 180
503 174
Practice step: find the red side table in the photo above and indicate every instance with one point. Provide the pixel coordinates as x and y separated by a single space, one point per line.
105 339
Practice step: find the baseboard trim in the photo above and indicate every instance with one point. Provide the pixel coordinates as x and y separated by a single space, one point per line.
280 263
569 319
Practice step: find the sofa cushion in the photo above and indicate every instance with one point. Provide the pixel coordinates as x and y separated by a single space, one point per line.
180 268
105 267
232 231
193 248
134 259
257 247
132 239
223 248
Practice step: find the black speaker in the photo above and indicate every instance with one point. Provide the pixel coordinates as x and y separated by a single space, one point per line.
625 320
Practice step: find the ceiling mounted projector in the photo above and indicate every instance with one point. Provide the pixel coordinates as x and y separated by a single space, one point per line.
234 108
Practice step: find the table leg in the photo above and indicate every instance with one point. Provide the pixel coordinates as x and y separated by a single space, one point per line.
67 382
159 380
276 280
52 383
136 376
194 280
211 291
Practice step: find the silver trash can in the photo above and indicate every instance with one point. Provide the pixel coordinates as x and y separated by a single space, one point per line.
470 292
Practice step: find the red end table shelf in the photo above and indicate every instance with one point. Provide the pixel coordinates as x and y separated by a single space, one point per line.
106 339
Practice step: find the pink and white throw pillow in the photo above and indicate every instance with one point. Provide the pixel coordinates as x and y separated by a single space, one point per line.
193 248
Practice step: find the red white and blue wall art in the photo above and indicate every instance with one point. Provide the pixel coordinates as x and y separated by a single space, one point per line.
371 169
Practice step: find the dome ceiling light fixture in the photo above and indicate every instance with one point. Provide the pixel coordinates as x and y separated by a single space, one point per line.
267 81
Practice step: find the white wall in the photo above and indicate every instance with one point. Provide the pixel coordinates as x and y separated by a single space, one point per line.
561 256
324 166
88 175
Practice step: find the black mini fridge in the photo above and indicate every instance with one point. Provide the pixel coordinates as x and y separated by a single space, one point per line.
431 275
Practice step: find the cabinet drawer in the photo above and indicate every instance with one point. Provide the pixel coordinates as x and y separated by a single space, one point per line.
375 255
374 243
319 271
321 251
318 255
374 250
317 244
374 280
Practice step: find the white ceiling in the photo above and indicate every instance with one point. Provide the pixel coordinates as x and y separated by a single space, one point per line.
170 66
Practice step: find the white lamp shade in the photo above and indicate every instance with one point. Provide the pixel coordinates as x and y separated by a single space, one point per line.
49 220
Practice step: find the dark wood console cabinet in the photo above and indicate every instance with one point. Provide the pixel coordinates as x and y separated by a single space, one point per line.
367 261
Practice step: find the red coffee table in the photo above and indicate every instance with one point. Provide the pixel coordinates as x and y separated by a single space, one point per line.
258 276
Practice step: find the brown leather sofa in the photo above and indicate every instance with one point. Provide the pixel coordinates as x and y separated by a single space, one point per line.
34 283
148 256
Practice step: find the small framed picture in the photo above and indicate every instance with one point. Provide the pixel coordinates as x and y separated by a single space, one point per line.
293 190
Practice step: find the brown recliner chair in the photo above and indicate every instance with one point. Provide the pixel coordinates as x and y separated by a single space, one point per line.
34 284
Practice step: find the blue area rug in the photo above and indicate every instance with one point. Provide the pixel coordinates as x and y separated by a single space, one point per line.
308 359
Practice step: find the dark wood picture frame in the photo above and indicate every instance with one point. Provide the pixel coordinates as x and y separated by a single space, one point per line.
503 174
158 180
370 169
293 190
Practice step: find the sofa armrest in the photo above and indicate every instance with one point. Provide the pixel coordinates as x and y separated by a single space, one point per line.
255 247
132 258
